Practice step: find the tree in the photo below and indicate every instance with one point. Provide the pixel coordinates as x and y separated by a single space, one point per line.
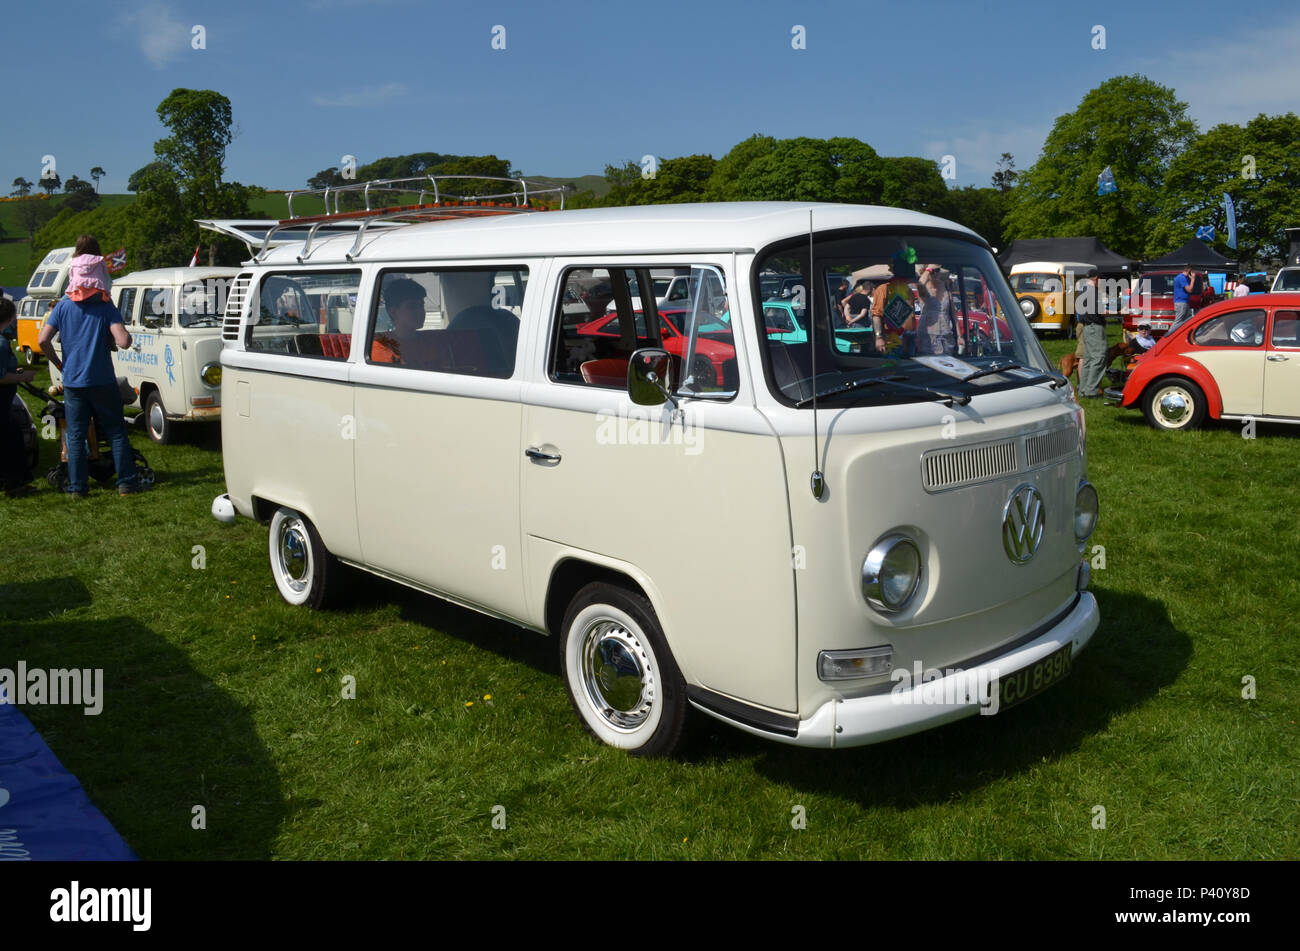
22 187
326 178
913 183
1257 165
981 210
97 173
1005 175
194 158
140 174
81 194
32 215
681 179
51 183
1129 123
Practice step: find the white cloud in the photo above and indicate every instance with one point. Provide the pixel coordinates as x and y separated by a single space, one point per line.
362 96
1234 78
162 37
977 150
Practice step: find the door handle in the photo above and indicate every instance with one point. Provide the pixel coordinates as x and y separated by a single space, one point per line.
532 452
1277 357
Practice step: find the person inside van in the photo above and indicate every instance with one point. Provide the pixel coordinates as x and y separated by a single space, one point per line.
404 301
937 325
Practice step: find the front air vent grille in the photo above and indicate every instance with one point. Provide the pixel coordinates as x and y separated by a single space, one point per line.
945 468
235 306
1048 446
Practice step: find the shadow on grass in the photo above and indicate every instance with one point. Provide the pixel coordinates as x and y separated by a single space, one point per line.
510 641
167 739
32 600
1136 652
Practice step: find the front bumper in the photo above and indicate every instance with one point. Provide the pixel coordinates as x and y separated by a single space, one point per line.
865 720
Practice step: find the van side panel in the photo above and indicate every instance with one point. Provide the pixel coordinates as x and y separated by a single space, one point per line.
438 483
293 446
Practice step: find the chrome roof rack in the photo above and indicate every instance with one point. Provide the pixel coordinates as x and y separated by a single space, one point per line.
446 205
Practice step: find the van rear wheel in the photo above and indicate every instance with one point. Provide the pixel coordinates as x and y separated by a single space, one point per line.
304 570
619 672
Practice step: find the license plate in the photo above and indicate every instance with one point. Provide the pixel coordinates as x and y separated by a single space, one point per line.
1030 681
1160 324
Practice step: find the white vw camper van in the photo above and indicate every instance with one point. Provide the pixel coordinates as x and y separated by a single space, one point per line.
821 547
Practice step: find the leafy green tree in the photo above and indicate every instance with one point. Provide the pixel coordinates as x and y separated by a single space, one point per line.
1258 165
1005 174
109 224
726 182
51 183
81 195
1133 125
97 173
681 179
193 160
326 178
981 210
139 175
22 187
913 183
762 168
32 215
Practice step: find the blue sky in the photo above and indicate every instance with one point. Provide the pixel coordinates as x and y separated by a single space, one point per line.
580 84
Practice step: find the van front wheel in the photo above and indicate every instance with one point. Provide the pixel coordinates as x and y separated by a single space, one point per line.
620 675
303 569
156 423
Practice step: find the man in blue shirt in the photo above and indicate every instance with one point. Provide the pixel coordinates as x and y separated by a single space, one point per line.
1182 299
87 331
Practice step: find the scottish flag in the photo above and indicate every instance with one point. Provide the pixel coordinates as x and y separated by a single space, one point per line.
1205 232
1106 182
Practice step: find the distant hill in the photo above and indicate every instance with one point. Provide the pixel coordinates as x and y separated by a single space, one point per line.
596 183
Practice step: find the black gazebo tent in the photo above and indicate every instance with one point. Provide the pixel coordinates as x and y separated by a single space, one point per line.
1196 253
1084 250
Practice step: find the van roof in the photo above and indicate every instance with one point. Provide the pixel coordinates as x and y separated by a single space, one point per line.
640 229
174 275
1027 266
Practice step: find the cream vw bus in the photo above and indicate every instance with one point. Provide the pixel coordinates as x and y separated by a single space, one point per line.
173 363
820 547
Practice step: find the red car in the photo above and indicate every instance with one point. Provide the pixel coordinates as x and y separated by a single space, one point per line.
1157 307
715 356
1238 358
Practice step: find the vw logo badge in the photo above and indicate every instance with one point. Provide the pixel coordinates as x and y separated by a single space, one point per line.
1022 523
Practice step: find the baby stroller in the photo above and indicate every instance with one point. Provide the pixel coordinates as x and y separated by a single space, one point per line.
23 422
99 455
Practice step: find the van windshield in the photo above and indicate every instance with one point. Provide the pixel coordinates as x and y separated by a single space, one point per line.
899 317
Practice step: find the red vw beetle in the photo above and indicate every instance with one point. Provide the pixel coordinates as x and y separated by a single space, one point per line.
1238 358
714 358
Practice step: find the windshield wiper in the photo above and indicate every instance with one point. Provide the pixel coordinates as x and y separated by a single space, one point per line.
849 386
1057 382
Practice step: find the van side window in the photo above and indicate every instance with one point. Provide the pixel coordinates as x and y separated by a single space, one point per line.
449 320
603 319
157 309
292 314
126 304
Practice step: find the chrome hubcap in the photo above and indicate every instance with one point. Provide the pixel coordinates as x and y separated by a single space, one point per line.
1173 407
617 675
294 561
156 419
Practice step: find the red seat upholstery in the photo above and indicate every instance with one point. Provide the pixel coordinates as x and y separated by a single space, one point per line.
336 345
607 372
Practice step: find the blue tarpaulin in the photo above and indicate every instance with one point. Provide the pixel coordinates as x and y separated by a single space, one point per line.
44 812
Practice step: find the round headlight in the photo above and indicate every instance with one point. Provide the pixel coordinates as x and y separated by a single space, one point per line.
891 573
1085 511
212 374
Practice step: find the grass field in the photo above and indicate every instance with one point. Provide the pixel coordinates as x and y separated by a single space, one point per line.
219 694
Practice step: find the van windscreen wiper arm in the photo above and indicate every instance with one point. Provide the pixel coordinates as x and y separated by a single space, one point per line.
948 398
1002 367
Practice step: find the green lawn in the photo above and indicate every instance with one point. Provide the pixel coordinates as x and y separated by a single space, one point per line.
219 694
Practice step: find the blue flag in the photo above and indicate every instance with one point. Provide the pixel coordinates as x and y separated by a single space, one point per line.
1205 232
1106 182
1231 210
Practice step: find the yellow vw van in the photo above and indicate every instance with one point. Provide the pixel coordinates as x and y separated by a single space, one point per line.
1047 290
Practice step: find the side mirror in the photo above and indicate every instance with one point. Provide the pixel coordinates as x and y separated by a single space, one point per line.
649 377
